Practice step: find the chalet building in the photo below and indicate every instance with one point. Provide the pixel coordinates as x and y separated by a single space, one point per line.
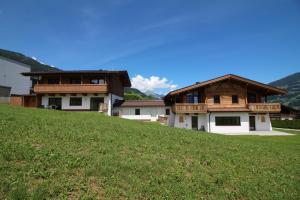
144 110
227 104
92 90
286 113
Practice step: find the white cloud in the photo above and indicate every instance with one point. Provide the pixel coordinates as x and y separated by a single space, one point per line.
34 58
154 83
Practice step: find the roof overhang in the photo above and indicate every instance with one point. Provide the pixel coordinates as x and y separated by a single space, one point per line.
123 74
270 89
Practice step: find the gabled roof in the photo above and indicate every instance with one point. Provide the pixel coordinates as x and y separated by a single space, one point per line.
143 103
270 89
122 73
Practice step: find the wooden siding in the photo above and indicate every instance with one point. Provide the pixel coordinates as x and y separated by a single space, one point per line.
30 101
113 84
265 107
189 108
16 100
116 85
225 90
70 88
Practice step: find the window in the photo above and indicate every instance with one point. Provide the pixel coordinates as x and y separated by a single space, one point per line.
75 101
177 99
137 111
181 118
167 111
228 121
251 98
53 81
75 81
190 98
217 99
193 97
97 81
235 99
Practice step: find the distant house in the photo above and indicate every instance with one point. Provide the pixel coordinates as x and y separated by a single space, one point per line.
11 80
145 110
227 104
89 90
286 113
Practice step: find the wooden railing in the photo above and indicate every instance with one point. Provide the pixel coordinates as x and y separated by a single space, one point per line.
70 88
189 108
264 107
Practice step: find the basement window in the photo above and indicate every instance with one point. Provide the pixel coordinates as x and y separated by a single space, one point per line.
75 101
137 111
228 121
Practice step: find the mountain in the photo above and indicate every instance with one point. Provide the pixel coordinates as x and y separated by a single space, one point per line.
35 65
292 84
153 94
135 94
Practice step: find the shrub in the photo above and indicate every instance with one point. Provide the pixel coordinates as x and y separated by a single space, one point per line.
293 124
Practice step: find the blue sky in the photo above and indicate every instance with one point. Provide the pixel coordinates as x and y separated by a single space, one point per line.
181 41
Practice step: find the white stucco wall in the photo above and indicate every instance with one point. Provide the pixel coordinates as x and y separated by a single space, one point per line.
263 126
66 101
243 128
211 127
146 113
10 76
187 122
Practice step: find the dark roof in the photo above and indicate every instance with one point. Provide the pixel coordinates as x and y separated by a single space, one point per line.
271 89
143 103
122 73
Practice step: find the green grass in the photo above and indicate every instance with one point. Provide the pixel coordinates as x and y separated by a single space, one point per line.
54 154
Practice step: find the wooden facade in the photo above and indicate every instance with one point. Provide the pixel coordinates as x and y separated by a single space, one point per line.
70 88
26 101
84 82
226 94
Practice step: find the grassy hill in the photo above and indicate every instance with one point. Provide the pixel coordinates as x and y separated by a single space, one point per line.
135 94
35 65
56 154
292 84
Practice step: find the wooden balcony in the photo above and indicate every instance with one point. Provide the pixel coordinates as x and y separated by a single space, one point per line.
264 107
189 108
70 88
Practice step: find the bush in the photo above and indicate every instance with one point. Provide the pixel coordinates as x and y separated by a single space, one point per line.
293 124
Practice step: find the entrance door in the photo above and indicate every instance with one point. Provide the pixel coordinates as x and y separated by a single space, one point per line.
195 122
252 123
55 103
95 101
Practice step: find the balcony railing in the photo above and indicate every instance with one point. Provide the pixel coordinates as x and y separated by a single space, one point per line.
264 107
71 88
189 108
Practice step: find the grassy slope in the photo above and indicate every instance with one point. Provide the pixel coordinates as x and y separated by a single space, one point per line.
65 154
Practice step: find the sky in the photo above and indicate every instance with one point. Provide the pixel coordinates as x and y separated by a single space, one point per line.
164 44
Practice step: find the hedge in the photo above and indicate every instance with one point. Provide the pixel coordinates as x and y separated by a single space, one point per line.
293 124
